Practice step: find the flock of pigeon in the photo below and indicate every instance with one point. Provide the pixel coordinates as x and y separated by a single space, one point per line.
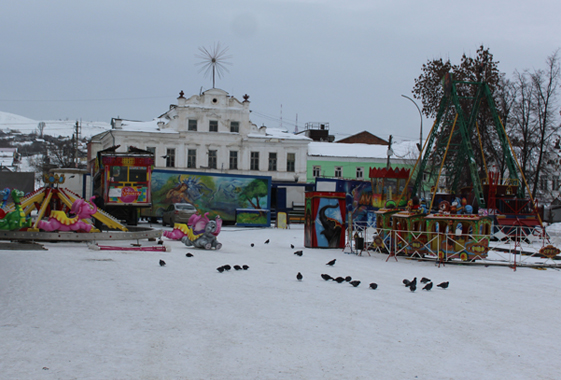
228 267
411 284
327 277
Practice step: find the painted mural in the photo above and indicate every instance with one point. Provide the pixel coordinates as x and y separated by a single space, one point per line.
362 201
325 220
217 194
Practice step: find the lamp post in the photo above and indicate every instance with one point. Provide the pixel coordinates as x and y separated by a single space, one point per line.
420 146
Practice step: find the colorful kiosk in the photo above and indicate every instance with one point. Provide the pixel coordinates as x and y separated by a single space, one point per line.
458 236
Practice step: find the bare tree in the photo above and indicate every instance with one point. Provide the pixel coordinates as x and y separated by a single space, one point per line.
546 87
520 126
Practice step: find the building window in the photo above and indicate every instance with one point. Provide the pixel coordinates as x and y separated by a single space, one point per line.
213 126
151 149
191 158
170 158
233 159
192 125
359 173
235 126
272 162
212 160
338 171
291 162
316 171
254 164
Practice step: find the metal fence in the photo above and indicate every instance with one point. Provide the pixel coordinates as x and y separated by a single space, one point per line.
507 245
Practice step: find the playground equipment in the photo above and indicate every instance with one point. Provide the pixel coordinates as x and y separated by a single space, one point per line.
202 232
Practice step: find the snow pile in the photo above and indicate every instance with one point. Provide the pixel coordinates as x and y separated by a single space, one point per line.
70 312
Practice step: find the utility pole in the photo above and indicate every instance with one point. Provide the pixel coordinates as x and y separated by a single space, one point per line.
390 152
76 144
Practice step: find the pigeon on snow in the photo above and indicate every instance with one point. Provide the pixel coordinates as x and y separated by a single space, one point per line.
443 285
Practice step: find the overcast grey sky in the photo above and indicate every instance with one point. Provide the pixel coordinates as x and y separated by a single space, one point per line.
342 62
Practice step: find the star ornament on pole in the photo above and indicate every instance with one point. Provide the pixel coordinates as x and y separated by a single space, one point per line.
213 61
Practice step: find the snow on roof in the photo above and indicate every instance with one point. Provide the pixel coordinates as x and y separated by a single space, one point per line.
401 149
277 133
144 126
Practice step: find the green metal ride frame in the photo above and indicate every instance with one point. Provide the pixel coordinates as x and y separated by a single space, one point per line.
462 147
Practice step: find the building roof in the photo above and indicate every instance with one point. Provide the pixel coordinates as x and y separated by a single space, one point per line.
363 137
401 149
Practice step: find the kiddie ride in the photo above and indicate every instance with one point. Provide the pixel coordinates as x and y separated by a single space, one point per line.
69 217
199 232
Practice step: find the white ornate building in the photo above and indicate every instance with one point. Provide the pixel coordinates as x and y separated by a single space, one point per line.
211 132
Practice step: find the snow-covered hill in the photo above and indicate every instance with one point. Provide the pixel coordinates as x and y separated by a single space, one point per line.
10 121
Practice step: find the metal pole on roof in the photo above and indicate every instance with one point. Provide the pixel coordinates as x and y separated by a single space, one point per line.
420 146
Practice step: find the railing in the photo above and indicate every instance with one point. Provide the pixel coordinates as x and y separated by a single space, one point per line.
508 245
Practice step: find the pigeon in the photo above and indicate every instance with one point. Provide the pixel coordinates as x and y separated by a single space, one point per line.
299 276
443 285
373 285
220 269
348 278
406 282
355 283
332 262
339 279
428 286
189 254
412 287
245 267
227 267
252 244
162 263
326 277
237 267
424 280
266 241
414 282
299 253
292 246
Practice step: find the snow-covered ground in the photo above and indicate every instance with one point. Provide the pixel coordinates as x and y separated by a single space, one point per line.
74 313
10 121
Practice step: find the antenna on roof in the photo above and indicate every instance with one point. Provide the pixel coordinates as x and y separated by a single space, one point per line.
281 117
213 60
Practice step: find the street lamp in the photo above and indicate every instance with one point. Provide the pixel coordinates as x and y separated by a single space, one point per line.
420 146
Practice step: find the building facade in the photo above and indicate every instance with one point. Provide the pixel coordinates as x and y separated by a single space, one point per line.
353 161
211 132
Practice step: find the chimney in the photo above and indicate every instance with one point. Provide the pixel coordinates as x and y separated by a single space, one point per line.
117 124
